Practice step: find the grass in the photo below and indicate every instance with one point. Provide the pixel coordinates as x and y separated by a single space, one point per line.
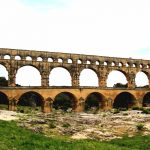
17 138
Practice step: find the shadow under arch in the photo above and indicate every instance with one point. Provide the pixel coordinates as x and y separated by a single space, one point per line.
31 99
95 101
28 75
88 77
65 101
124 100
146 100
60 76
121 79
4 101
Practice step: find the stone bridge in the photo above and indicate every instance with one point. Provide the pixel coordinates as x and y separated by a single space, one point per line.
14 59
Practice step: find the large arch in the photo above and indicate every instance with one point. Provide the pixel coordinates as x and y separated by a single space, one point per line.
124 100
31 99
4 101
3 76
94 101
116 78
65 101
28 76
59 76
141 79
88 77
146 100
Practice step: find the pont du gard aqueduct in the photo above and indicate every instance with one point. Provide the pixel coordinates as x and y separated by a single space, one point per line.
44 62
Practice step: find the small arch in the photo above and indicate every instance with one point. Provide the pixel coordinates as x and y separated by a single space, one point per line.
60 60
29 58
127 64
17 57
94 101
120 64
50 60
31 99
113 64
70 61
65 101
7 57
97 62
141 65
79 61
105 63
88 77
124 100
28 76
4 101
146 100
39 59
134 65
148 66
88 62
121 79
60 76
141 79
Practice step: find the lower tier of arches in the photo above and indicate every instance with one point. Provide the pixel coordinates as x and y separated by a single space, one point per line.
73 99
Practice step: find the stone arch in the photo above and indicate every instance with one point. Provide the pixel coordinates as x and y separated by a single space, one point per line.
3 71
29 58
124 100
17 57
65 101
97 62
50 59
95 100
120 64
79 61
141 79
39 58
88 77
28 75
70 61
60 76
112 81
7 56
146 100
31 99
4 101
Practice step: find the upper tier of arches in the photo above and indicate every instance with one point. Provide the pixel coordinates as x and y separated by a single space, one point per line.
75 65
53 57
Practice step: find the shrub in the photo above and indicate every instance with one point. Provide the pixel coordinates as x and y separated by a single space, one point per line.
116 111
137 108
66 125
52 125
140 127
146 111
123 109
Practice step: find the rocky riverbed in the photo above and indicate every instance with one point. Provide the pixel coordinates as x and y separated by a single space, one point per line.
100 126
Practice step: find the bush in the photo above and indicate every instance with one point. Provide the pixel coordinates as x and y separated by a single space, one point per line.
116 111
66 125
137 108
146 111
52 125
140 127
123 109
